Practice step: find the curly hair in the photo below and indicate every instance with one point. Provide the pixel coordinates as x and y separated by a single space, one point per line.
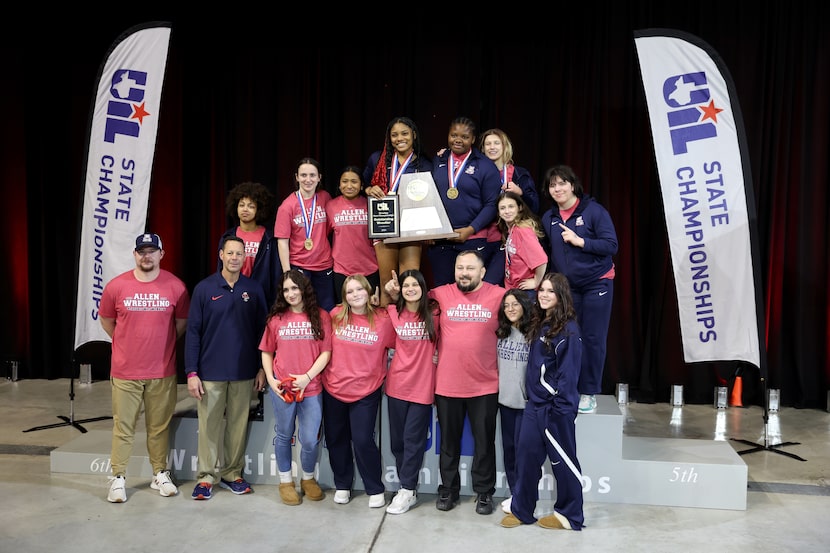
263 198
310 306
525 324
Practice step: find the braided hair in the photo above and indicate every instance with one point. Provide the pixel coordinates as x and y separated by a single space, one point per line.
380 177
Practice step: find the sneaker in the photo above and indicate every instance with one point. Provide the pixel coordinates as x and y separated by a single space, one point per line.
587 404
163 483
288 494
446 500
311 489
342 496
202 490
506 504
238 486
118 489
402 502
377 500
484 503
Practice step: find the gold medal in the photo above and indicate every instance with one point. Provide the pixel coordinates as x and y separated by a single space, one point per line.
308 244
452 193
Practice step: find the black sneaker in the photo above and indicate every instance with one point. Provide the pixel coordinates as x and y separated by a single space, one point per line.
484 504
446 500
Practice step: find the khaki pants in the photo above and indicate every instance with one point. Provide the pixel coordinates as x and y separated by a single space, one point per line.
228 403
159 398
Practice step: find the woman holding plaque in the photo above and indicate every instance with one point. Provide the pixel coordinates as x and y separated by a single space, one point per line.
351 246
469 184
302 229
401 154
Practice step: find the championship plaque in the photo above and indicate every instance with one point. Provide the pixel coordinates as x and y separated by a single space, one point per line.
422 213
384 217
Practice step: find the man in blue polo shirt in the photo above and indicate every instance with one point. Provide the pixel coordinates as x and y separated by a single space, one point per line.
223 366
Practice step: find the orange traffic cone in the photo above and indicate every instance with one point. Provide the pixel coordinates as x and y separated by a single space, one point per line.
737 392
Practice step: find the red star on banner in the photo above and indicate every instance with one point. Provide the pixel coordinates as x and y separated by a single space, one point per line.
140 113
711 112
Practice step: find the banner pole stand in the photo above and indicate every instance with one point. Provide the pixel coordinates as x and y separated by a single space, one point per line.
70 420
766 445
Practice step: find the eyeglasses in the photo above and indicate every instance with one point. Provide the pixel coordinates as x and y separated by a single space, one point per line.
512 306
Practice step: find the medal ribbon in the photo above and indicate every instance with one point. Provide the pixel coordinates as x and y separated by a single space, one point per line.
308 218
453 175
396 173
506 174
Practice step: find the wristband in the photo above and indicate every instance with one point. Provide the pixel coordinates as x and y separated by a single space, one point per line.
308 377
192 374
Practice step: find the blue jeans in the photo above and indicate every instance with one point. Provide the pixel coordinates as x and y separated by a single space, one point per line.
309 413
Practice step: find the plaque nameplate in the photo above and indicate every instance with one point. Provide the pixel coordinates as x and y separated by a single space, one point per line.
384 217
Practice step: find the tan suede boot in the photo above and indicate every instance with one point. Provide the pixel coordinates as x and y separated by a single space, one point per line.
288 494
311 489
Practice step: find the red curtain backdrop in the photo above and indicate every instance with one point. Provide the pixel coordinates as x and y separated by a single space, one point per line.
245 98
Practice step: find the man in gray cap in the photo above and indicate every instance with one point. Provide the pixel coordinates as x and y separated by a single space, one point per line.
144 311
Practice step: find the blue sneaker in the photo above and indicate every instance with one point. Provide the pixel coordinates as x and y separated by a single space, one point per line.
238 486
202 490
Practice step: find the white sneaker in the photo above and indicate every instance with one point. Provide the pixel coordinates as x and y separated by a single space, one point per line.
342 496
163 484
402 501
378 500
118 490
587 404
506 504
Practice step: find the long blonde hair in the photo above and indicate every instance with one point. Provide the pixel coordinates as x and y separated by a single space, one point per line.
344 316
507 145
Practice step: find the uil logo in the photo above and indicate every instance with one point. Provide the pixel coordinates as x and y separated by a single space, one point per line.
125 109
690 94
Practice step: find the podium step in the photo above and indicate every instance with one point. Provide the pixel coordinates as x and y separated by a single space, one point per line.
615 468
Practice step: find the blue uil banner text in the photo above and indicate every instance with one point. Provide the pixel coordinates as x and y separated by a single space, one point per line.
116 189
700 150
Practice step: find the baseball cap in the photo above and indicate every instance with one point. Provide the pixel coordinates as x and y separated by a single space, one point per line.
148 240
